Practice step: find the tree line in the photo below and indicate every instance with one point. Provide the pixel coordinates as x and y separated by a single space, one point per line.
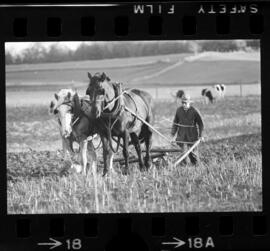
105 50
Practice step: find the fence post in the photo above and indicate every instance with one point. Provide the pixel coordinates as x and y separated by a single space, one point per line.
241 90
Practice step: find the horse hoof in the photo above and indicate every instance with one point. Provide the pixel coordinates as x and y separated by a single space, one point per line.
104 172
147 163
143 168
125 171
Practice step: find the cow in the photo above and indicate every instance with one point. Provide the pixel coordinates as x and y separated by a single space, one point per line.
178 96
220 90
223 90
208 96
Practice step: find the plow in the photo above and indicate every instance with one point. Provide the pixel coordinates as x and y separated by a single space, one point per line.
160 153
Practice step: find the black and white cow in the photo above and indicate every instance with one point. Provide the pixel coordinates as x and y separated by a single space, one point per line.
208 96
220 90
223 90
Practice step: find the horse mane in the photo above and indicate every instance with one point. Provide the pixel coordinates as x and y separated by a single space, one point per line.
100 76
77 106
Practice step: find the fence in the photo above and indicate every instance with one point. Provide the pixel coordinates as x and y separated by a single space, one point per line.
160 91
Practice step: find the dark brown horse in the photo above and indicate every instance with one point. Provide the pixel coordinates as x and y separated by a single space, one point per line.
112 120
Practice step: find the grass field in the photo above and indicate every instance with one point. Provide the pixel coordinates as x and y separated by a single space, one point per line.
229 177
163 69
28 85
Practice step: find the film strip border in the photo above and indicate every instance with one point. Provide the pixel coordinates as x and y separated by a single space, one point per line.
226 226
133 21
138 22
224 231
121 27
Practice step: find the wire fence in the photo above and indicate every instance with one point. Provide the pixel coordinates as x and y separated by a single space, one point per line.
166 92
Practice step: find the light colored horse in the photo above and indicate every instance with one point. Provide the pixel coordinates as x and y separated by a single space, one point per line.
74 126
62 96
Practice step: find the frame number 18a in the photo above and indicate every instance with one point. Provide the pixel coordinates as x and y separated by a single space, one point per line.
198 242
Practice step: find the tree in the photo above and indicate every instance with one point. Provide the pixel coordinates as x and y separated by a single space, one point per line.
34 54
194 47
56 53
9 58
241 44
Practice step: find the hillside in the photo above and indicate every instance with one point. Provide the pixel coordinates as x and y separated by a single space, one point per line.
164 69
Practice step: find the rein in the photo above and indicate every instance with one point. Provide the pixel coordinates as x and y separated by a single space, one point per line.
69 103
75 121
118 107
109 129
114 99
116 111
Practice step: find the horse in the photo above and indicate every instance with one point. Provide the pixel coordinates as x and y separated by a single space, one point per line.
109 109
74 126
63 96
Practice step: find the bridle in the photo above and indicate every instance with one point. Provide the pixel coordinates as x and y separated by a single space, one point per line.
69 103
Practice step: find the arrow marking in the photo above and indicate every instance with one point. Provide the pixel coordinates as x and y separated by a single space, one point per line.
178 243
53 244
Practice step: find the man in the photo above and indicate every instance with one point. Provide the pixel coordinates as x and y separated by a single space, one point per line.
188 125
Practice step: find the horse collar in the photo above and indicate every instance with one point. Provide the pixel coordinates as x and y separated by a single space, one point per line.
118 107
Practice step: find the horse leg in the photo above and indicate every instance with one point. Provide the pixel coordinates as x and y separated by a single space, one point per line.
125 151
68 152
107 155
65 148
93 155
83 155
136 143
148 143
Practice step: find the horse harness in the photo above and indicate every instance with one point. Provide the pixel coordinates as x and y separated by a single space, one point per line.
70 103
119 105
116 112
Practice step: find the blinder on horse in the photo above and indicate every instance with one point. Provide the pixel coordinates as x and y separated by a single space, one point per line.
68 103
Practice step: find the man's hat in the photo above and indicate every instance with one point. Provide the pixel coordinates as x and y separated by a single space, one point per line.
186 98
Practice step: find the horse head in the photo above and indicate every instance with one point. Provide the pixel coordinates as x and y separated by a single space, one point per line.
100 92
64 95
63 107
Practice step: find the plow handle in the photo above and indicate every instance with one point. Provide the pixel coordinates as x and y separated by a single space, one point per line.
187 152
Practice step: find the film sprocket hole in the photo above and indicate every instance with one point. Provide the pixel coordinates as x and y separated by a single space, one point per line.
134 126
